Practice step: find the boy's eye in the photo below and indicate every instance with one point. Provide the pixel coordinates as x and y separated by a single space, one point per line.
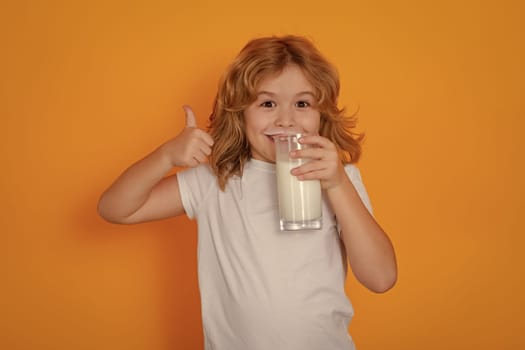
268 104
302 104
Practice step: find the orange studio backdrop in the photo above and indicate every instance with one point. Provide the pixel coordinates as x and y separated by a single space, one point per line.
87 88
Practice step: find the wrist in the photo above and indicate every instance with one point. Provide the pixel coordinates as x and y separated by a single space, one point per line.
336 187
337 182
164 155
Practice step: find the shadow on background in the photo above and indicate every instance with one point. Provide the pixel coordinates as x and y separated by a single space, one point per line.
173 244
179 301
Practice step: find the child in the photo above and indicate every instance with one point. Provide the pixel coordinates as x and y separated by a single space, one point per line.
262 288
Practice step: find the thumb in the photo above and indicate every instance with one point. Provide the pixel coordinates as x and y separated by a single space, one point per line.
191 122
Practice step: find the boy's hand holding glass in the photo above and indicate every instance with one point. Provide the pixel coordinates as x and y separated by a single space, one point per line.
325 164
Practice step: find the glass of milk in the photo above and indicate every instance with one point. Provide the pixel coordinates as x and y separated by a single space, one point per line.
299 201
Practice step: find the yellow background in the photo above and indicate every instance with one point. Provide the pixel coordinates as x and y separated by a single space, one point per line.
87 88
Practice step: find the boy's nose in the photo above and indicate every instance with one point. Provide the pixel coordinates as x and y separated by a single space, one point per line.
285 119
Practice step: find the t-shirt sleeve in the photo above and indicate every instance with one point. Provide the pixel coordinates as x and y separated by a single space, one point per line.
194 185
355 176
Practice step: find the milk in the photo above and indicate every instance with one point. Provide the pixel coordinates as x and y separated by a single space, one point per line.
298 200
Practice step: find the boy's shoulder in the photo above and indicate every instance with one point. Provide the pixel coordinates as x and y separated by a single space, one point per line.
352 170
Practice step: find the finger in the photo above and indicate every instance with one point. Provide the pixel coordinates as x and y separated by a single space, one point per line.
309 168
200 157
205 149
203 137
191 122
207 139
193 163
308 153
315 140
312 175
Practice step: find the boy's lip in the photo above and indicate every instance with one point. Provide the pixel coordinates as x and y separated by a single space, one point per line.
273 133
281 132
271 137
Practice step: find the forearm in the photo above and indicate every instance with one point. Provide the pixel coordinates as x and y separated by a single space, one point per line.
369 250
131 189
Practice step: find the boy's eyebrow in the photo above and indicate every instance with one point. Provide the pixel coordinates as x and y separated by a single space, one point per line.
269 93
306 93
259 93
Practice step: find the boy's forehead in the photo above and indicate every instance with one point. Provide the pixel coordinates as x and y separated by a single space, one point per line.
291 75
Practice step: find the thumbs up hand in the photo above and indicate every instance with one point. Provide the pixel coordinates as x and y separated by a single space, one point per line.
192 146
191 122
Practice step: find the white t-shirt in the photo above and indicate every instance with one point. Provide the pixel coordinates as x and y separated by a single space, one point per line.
263 289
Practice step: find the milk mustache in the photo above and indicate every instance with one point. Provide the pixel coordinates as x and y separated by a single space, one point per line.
299 201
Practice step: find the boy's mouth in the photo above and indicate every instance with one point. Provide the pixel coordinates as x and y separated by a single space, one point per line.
270 134
274 132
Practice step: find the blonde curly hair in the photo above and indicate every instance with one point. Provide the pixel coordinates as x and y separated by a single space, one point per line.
238 89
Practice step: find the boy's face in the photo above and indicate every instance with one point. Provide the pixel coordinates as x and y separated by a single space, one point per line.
285 101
